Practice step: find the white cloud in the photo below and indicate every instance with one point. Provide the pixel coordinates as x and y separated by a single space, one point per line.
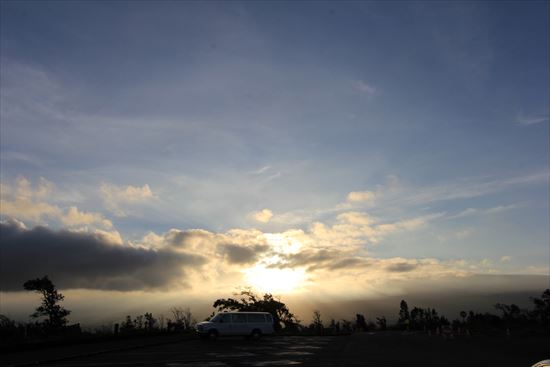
263 215
485 262
74 217
500 208
261 170
360 196
117 197
475 211
25 202
113 237
465 189
532 119
356 229
27 209
363 87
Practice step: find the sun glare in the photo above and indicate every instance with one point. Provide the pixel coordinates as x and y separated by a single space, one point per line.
274 280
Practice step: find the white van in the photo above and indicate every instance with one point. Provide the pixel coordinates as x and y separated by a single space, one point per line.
254 324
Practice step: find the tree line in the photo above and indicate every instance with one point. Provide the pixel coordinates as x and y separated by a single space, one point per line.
51 318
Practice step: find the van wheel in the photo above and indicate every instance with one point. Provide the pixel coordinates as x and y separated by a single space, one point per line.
213 334
256 334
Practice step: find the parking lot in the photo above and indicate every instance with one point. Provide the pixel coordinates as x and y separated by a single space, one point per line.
269 351
391 348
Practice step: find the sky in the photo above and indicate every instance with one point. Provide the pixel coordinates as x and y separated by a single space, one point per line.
166 153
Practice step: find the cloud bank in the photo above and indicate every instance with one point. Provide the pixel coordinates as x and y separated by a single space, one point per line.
88 260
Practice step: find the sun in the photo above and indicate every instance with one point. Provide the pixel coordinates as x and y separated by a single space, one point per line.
269 280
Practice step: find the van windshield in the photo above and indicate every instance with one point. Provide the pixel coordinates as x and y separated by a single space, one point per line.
216 318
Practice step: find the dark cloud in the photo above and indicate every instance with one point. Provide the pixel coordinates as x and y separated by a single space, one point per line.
85 260
182 239
243 254
315 259
401 267
349 262
342 263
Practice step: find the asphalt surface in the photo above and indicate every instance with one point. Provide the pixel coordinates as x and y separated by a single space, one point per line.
362 349
231 351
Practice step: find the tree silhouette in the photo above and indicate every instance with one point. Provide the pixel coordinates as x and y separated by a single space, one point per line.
463 314
249 301
127 325
183 318
317 323
381 321
510 312
541 313
56 314
360 323
404 316
150 321
334 325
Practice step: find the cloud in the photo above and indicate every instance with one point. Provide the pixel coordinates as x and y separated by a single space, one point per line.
356 229
331 255
465 189
332 250
116 197
500 208
261 170
334 265
25 202
401 267
243 254
236 246
475 211
532 120
88 260
113 237
74 217
356 218
263 215
363 87
360 196
506 259
308 257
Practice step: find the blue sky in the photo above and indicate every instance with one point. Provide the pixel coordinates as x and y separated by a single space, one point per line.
199 115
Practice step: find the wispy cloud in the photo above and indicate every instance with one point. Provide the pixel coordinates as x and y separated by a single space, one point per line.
116 197
361 196
397 195
477 211
363 87
467 188
263 216
526 120
261 170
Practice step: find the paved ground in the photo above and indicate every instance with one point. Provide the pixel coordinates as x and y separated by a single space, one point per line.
364 349
270 351
398 349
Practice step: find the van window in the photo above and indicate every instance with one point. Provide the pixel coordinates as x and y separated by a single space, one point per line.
226 318
254 317
269 318
239 317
